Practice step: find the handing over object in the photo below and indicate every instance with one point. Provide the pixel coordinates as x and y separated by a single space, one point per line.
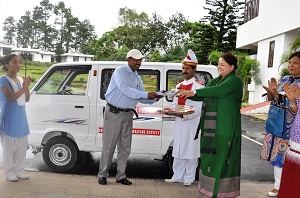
185 93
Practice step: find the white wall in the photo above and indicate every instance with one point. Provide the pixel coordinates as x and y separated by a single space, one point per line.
275 17
81 58
47 58
282 44
277 20
36 57
68 59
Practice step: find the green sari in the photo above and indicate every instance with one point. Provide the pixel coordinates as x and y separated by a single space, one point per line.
220 146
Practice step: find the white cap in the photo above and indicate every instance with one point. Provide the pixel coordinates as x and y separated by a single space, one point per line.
134 53
190 59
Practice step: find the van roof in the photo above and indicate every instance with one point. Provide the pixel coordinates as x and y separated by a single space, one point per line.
123 63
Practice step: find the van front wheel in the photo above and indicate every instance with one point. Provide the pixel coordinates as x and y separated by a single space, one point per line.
60 154
170 161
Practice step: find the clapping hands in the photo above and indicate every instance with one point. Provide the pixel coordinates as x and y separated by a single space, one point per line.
26 82
272 87
292 91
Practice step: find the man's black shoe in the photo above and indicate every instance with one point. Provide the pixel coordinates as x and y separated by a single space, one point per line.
124 181
102 181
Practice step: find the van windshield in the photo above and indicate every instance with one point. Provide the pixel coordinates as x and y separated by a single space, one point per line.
65 81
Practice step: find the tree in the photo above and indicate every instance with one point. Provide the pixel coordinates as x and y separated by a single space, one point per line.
36 30
133 30
295 45
158 33
225 16
9 27
177 31
45 34
104 47
214 57
155 57
84 35
202 40
284 72
176 54
62 15
248 69
25 38
71 24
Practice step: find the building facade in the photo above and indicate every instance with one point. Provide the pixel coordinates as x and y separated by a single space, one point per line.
270 27
41 55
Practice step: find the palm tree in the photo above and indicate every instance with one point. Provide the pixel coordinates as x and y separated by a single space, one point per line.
284 72
285 56
213 57
248 69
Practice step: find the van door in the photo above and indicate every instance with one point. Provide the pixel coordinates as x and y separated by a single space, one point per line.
147 126
59 103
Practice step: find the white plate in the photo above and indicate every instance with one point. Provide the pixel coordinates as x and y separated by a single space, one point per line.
167 93
170 112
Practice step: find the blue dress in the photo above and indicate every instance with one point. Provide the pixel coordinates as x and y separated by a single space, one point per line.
14 119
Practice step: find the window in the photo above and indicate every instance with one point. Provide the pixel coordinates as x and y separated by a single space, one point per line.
26 56
271 54
65 81
251 10
150 80
6 51
175 76
75 58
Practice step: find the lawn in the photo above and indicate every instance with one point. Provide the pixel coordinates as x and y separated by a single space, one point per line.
33 69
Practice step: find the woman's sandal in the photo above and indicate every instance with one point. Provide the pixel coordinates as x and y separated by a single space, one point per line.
272 194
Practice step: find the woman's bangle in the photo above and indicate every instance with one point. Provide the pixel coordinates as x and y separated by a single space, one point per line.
293 105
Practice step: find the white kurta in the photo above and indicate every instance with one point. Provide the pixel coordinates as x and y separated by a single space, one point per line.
184 146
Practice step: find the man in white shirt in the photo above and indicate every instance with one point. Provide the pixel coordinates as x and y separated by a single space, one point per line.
186 150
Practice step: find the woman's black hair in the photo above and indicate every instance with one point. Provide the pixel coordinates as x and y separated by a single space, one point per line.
230 59
297 53
6 59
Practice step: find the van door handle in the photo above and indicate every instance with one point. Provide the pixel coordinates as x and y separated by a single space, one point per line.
79 107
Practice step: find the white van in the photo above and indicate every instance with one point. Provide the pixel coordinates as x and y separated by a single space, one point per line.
65 111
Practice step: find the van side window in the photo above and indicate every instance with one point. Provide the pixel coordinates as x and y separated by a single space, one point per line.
150 80
105 80
65 81
175 76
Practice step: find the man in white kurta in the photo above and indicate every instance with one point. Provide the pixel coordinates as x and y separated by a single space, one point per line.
186 150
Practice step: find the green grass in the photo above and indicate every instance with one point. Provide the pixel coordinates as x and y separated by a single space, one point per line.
34 71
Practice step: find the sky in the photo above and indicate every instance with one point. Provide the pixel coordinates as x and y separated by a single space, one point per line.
103 14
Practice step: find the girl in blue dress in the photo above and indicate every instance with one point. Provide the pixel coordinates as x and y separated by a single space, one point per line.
13 120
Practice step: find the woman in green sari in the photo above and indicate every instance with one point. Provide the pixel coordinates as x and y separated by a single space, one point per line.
220 125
